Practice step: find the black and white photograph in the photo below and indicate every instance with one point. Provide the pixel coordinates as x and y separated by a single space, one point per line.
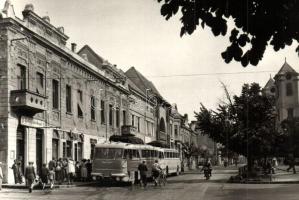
149 99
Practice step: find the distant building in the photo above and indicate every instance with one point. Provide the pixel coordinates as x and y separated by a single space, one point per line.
287 92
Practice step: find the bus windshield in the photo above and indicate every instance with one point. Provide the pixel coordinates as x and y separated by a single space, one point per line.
108 153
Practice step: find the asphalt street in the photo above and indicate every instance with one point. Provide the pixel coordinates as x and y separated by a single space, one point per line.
184 187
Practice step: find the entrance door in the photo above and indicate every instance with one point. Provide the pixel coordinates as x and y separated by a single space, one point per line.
39 150
20 150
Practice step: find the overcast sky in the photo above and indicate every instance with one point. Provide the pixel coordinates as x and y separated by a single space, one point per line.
133 33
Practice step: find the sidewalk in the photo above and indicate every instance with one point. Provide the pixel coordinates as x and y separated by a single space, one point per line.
64 185
281 176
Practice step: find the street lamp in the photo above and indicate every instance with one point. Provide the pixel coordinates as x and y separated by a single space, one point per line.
146 105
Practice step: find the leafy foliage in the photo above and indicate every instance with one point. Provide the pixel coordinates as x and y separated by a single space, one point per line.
246 126
256 22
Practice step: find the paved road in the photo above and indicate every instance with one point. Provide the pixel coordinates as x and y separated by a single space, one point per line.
185 187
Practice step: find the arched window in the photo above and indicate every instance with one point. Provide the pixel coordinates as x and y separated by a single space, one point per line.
162 125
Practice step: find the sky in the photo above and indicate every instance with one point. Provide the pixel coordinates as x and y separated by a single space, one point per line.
133 33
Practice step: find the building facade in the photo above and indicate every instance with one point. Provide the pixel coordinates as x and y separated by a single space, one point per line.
54 102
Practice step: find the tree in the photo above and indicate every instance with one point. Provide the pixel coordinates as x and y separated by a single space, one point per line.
245 126
256 22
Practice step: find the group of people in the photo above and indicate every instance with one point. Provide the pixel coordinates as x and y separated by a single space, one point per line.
67 170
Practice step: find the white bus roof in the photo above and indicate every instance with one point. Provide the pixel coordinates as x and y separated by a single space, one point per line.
127 146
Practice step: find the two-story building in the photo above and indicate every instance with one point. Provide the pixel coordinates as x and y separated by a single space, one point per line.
54 102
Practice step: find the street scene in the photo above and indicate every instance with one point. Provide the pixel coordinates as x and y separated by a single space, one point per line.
161 99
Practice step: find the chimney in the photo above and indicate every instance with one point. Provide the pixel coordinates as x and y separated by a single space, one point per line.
74 46
46 19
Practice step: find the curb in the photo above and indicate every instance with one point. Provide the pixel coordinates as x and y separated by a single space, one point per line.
264 182
39 188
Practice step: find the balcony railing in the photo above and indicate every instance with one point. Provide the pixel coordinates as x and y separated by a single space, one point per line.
27 102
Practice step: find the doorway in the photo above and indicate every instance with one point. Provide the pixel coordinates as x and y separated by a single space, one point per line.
20 146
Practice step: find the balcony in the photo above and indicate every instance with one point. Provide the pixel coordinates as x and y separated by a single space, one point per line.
27 102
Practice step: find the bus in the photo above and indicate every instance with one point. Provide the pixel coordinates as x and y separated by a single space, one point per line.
119 161
172 161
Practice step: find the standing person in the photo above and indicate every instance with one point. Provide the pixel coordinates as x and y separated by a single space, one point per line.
143 172
30 176
44 175
78 171
70 171
16 167
292 165
89 169
52 164
83 171
58 171
1 175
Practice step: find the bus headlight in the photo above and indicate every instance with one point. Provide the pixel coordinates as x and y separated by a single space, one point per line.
117 179
125 179
94 178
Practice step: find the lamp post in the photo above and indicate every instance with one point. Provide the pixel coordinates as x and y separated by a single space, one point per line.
146 104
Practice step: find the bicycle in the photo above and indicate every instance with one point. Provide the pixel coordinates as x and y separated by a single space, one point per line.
162 177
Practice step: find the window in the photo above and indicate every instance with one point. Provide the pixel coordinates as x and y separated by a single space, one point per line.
21 77
68 98
290 113
80 104
39 82
133 122
138 124
110 115
289 89
92 108
102 112
176 130
117 117
124 117
55 94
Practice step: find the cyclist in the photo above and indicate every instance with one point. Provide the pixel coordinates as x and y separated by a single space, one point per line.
156 170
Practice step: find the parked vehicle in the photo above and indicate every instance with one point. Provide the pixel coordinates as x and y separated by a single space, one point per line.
119 161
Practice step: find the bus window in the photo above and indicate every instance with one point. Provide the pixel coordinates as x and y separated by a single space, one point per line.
161 155
108 153
126 154
143 153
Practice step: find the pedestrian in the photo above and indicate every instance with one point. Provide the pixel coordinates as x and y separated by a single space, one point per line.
143 173
44 175
64 169
1 175
52 164
83 171
78 171
16 167
58 171
156 170
30 176
89 169
70 171
51 177
291 163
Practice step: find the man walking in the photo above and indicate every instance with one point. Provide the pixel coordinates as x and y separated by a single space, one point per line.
30 176
143 171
